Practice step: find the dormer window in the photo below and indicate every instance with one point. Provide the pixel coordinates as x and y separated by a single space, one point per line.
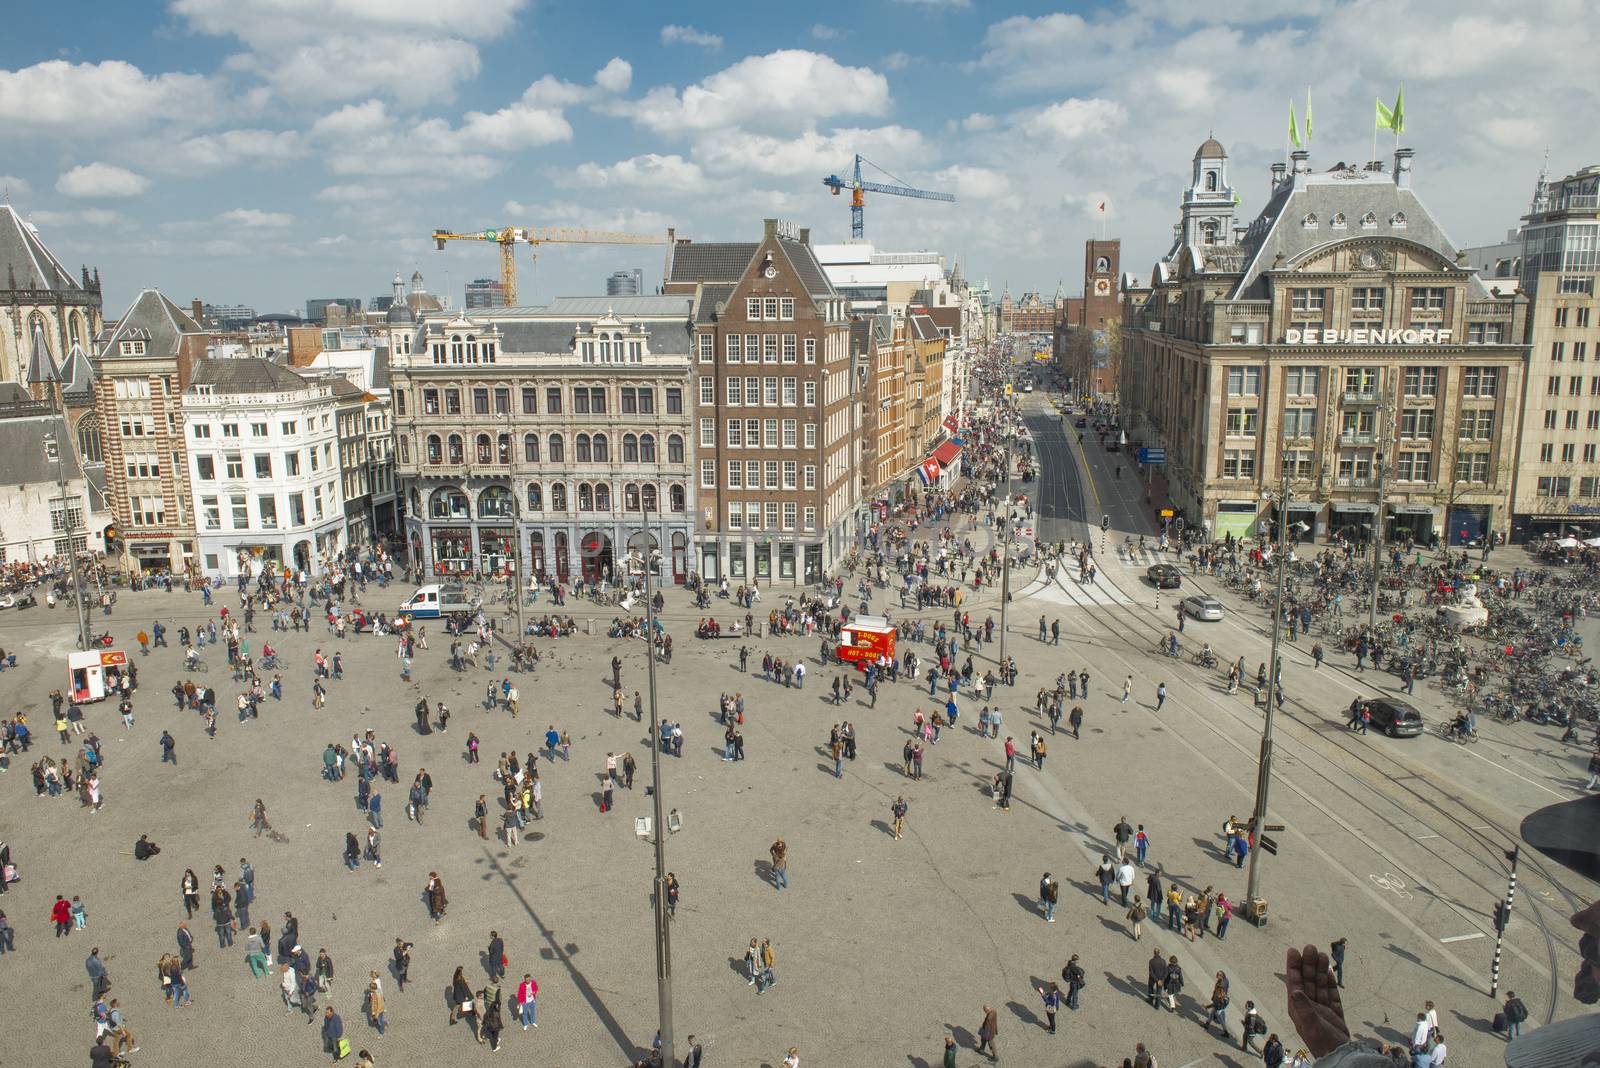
1310 221
1338 220
1398 220
1369 221
457 350
131 348
1208 233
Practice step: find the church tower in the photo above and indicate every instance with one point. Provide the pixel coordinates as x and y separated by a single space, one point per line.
1207 213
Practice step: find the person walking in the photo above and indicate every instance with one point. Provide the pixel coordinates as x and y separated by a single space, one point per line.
1336 955
1161 695
332 1032
898 811
1253 1025
1049 895
1073 975
402 963
780 864
988 1031
1124 879
375 1005
1156 978
1516 1013
1127 689
1136 914
1217 1009
1173 984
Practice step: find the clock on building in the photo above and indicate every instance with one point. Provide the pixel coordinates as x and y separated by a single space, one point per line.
771 271
1102 286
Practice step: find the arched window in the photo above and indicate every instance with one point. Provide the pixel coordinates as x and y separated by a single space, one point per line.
1208 232
530 448
472 348
89 447
502 449
602 497
602 449
630 448
647 448
455 348
494 503
435 451
75 327
484 449
535 497
1211 181
448 503
1398 220
558 497
675 497
605 348
457 449
630 497
674 448
558 449
585 497
648 494
581 453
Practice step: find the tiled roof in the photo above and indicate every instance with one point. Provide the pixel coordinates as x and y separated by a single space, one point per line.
25 262
812 276
22 449
77 377
154 319
712 299
716 261
650 304
248 375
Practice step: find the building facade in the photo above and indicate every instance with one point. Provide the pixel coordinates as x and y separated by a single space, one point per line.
143 366
777 426
483 293
49 505
629 283
1338 336
264 461
1084 344
559 435
1558 476
38 293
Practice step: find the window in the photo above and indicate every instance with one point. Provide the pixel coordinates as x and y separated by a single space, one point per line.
205 468
752 308
1366 300
1413 466
752 473
581 450
233 465
735 389
291 460
1300 423
788 348
1554 486
263 466
1550 419
708 433
557 449
1421 381
1580 349
430 402
706 345
1238 463
769 308
1361 380
810 394
752 390
240 507
585 497
752 433
769 348
809 476
736 517
210 514
1558 351
752 348
770 474
1358 424
786 308
1297 463
1480 382
202 431
1552 386
1589 486
769 433
1472 467
1416 423
790 473
535 497
790 394
1242 421
1593 421
647 448
735 433
1301 381
647 494
1583 284
1355 466
558 496
811 350
810 434
674 448
769 391
1427 298
297 509
630 449
772 515
552 400
735 474
810 515
1575 385
602 449
267 509
1547 452
789 428
1572 419
229 430
502 400
789 508
1307 300
530 448
708 474
1583 318
1568 452
580 400
1244 381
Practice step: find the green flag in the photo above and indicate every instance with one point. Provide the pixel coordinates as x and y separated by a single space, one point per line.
1308 114
1385 119
1237 200
1294 128
1399 112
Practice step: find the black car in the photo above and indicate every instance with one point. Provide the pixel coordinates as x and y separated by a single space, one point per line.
1394 717
1164 576
1081 422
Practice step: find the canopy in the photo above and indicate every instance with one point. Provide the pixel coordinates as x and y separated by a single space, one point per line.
1592 542
1567 543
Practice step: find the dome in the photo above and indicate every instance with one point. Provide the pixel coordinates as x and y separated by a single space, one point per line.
400 313
1210 149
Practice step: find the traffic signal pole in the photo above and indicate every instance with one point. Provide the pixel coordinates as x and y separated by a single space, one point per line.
1502 920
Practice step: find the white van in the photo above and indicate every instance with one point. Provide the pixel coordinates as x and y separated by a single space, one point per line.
435 602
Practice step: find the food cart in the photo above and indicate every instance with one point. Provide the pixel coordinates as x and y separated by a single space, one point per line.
864 639
95 674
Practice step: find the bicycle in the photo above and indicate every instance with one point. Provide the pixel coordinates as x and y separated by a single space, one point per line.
1449 732
196 665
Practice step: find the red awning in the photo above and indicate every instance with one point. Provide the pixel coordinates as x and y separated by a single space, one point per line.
946 453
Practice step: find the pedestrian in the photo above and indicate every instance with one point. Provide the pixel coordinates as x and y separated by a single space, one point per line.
168 749
1141 846
949 1052
375 1005
898 811
1156 978
352 851
1316 654
1052 1004
1272 1052
437 902
1136 914
1049 895
1161 695
1123 833
1253 1025
1124 879
780 864
527 1002
1127 689
402 963
1515 1013
1075 719
333 1040
185 944
1073 975
1173 984
99 981
492 1023
988 1031
1217 1010
1107 874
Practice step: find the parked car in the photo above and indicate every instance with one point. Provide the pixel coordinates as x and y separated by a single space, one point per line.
1081 422
1164 576
1200 607
1394 717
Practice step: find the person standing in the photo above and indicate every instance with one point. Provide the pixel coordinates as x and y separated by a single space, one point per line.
527 1003
1336 954
99 981
1127 689
1272 1053
402 963
332 1031
898 811
1156 978
1073 975
780 864
1049 894
185 945
375 1005
1052 1004
1516 1013
496 956
988 1031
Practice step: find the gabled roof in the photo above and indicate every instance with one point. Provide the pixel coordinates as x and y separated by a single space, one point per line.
250 374
77 375
712 299
804 261
23 456
154 319
25 262
41 365
716 261
923 328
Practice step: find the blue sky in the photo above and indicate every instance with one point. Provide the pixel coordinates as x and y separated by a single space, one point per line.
266 151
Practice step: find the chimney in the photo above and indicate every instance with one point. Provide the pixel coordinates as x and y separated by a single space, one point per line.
1402 167
805 235
1277 177
1302 161
769 227
197 311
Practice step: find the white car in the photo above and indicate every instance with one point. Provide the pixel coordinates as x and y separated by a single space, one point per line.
1206 608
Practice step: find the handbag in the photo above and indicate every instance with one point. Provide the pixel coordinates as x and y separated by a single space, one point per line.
343 1049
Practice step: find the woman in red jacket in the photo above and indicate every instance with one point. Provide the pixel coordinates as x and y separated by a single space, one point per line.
61 916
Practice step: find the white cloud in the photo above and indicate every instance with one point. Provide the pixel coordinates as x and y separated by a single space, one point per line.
897 61
267 22
80 218
353 120
57 96
332 240
255 218
350 193
232 148
808 155
12 186
91 180
658 174
822 32
519 125
978 122
1075 118
615 76
690 36
787 87
412 71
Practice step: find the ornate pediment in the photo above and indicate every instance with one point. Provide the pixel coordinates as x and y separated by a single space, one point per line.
1385 255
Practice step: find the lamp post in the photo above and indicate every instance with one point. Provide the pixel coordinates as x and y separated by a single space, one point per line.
517 570
1385 436
1255 908
58 409
1005 560
663 936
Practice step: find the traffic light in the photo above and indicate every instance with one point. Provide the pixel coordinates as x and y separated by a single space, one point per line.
1502 917
1105 523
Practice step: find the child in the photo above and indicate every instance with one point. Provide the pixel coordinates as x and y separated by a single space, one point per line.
80 917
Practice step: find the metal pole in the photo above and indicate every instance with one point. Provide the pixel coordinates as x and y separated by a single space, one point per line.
1264 774
1502 922
663 936
1377 529
1005 560
517 568
80 609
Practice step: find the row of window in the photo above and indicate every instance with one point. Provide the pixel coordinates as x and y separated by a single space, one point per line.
769 515
1592 420
287 427
497 502
759 434
233 463
583 400
750 391
1356 468
1561 486
1245 381
1476 424
1580 350
612 348
463 348
266 518
1368 299
758 308
1569 452
771 474
586 448
1565 317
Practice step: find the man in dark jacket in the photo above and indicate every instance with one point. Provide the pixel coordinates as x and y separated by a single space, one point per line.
1516 1014
497 950
332 1031
1157 978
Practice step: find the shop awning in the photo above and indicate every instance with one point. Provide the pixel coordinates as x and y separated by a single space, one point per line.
947 453
1411 509
1353 506
1567 543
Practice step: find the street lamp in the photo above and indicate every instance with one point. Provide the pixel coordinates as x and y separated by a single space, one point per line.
1005 560
1385 436
516 532
650 562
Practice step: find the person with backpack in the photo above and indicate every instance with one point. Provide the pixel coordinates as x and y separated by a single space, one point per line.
1217 1012
1253 1025
898 811
1173 984
1516 1013
1049 895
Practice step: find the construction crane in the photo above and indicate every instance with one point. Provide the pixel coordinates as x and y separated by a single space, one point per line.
508 236
858 189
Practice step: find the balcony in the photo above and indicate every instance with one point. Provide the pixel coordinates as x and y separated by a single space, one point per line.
1358 437
1360 396
1246 309
1490 309
1355 482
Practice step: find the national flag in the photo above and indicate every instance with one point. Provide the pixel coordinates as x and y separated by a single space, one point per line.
950 423
1393 118
929 471
1102 207
1308 114
1294 128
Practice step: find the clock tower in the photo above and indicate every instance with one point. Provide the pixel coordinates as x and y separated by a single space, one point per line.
1102 300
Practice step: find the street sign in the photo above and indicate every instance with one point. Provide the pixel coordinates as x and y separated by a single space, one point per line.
1168 513
1272 827
1269 844
1152 456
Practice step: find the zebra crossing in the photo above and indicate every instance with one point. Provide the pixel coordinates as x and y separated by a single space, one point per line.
1067 590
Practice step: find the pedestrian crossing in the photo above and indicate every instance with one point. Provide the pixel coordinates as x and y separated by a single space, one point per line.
1139 559
1067 590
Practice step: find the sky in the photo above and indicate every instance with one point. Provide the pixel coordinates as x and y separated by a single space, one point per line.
266 151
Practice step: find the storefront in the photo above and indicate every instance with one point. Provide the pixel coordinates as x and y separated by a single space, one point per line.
494 550
452 550
1415 522
1579 521
1351 520
1302 517
152 556
1237 518
1468 524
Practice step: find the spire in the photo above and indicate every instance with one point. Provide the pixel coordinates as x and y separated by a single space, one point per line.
41 367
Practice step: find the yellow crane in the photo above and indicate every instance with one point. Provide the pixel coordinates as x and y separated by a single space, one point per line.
508 236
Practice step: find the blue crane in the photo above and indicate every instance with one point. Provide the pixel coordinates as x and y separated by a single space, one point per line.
858 188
